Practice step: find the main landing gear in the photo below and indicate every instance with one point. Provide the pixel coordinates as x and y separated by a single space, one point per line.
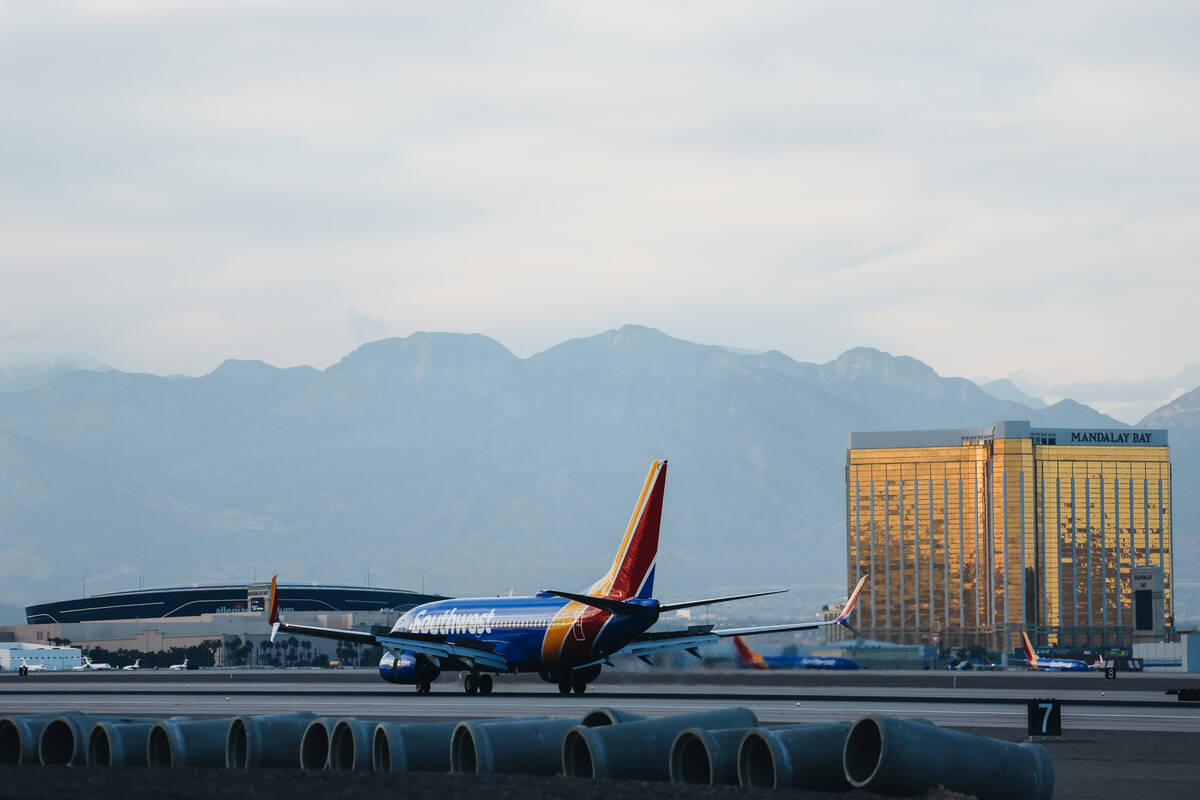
576 682
475 683
423 687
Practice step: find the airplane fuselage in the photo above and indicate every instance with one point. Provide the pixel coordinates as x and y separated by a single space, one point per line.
809 662
1060 665
542 633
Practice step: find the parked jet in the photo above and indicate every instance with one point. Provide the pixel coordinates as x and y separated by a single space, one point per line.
752 659
179 667
88 665
1052 664
134 667
27 668
566 637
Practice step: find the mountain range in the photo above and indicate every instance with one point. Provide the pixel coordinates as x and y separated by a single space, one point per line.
445 461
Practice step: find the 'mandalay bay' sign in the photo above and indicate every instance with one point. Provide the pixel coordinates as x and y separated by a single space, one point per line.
1111 437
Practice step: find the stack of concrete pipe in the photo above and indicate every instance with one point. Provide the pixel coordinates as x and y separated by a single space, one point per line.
884 755
727 746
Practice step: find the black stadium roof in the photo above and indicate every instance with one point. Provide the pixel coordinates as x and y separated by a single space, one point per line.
221 598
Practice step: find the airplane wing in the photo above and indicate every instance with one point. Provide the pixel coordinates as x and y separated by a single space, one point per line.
473 653
700 635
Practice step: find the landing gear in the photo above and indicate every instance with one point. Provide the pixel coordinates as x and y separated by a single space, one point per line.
423 687
564 686
471 683
22 671
485 684
579 683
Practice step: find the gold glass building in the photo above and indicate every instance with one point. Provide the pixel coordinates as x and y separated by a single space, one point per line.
979 534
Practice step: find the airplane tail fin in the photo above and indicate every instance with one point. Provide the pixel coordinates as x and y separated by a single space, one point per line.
632 571
749 657
1031 657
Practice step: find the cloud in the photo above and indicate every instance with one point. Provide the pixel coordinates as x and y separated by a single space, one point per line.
989 190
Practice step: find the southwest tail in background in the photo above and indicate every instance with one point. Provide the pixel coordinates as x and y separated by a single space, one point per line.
1031 657
748 656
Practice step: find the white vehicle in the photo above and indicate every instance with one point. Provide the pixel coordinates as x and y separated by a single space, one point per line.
27 668
179 667
88 665
134 667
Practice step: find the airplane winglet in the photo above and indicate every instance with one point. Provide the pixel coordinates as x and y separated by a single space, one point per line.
848 609
274 630
273 605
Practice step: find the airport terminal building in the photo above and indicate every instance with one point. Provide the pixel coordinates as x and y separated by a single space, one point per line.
979 534
159 619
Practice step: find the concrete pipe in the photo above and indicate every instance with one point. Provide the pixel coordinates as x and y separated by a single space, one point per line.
509 746
120 744
412 747
608 716
898 757
314 744
639 750
266 740
187 743
64 740
796 757
350 744
19 737
709 758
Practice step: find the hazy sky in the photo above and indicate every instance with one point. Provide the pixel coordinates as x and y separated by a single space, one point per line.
990 188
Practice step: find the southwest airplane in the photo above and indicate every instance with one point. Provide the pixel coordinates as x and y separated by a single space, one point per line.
752 659
564 636
1055 664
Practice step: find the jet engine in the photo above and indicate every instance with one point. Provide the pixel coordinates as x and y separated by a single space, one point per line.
408 668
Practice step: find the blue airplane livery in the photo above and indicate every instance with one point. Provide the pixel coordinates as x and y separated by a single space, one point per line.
752 659
1037 663
566 637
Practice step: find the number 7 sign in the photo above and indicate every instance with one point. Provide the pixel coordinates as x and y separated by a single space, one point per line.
1044 718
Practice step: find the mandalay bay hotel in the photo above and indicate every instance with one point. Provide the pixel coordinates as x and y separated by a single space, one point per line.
980 534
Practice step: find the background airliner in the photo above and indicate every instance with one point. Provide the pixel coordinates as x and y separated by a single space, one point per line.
1055 664
27 668
752 659
566 637
88 665
134 667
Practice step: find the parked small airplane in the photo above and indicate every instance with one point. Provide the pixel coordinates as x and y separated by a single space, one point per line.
134 667
1054 664
752 659
179 667
89 665
566 637
27 668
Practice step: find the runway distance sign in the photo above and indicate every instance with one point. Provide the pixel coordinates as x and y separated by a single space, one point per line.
1044 719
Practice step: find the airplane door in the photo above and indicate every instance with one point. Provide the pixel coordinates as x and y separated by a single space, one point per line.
578 628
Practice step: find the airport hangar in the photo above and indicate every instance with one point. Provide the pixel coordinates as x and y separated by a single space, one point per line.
159 619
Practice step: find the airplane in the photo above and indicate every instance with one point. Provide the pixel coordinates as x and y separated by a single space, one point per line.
179 667
752 659
1054 664
27 668
89 665
134 667
565 637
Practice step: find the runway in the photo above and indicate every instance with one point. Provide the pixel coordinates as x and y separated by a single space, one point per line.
1131 704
